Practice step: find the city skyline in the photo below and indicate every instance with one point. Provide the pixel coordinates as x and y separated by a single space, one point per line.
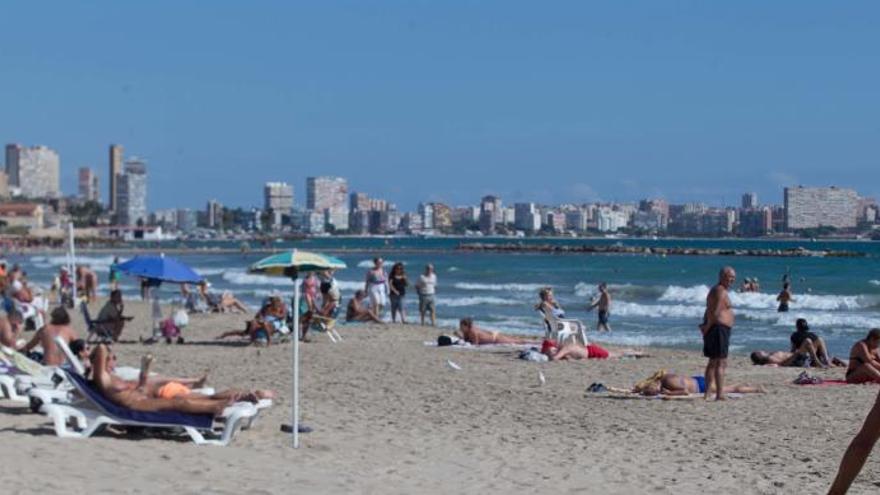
451 102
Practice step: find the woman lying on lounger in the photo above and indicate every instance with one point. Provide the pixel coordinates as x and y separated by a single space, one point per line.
668 384
471 333
170 396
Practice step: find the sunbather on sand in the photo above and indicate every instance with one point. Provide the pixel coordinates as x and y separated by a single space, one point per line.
471 333
269 321
663 383
784 358
171 396
864 362
577 351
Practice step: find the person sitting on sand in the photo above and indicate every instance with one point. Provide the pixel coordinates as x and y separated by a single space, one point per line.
110 318
864 362
358 311
11 329
268 322
471 333
809 344
170 396
662 383
59 326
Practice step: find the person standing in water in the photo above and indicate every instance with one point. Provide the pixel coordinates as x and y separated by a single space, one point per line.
784 298
603 302
717 323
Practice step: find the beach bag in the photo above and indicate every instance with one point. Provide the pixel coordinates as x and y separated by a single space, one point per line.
169 329
181 319
444 340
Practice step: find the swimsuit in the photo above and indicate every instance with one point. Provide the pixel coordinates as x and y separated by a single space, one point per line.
701 383
603 316
716 342
173 390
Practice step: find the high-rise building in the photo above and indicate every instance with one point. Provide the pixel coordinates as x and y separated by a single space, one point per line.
214 214
34 170
324 193
442 216
750 200
812 207
131 193
115 170
358 202
278 196
426 214
755 222
88 185
526 217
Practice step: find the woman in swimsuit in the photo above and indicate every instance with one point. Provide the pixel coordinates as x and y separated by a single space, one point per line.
471 333
864 363
670 384
376 286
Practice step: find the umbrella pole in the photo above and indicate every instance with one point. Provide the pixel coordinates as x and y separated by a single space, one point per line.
295 364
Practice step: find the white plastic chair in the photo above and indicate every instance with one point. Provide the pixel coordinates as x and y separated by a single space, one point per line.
562 329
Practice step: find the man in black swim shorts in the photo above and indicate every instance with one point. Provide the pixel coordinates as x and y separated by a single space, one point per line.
717 322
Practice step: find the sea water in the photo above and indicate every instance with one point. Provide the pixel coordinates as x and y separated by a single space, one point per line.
657 301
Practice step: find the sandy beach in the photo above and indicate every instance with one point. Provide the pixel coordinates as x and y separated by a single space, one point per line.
391 417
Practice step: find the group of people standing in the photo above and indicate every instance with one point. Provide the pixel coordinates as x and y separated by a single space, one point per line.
380 288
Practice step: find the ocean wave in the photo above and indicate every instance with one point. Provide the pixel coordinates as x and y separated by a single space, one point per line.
874 282
97 263
207 272
369 264
456 302
238 277
499 287
589 290
657 310
759 300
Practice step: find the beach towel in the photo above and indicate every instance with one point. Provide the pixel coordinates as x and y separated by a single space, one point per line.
832 383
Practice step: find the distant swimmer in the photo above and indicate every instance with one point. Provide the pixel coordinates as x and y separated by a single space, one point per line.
784 298
603 302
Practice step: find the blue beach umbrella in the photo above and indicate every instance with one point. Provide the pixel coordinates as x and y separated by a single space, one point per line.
290 264
160 268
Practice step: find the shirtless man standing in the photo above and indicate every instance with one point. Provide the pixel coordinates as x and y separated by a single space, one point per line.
603 302
717 322
59 325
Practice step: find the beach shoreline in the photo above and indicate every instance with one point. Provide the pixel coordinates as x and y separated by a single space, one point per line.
391 416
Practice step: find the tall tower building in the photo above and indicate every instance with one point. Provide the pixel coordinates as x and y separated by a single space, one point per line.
749 201
34 170
131 193
326 193
88 185
116 152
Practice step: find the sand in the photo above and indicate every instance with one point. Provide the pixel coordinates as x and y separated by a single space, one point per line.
391 417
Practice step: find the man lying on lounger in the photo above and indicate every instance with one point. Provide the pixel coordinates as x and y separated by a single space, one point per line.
471 333
679 385
171 396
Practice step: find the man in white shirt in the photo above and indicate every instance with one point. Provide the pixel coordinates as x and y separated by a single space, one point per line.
426 287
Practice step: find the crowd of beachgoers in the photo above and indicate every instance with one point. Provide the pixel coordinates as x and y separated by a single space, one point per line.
37 324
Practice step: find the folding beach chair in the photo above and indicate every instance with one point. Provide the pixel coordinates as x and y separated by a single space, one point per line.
97 332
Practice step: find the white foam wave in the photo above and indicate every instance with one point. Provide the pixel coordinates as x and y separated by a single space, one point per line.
456 302
369 264
499 287
757 300
237 277
97 263
657 310
874 282
207 272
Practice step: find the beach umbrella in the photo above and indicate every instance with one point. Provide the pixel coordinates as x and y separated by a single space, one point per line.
290 264
161 268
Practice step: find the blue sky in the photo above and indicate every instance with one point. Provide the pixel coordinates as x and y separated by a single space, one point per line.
417 100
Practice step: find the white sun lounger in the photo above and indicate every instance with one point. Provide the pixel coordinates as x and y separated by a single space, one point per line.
95 411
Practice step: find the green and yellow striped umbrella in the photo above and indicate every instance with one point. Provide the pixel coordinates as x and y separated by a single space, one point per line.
302 261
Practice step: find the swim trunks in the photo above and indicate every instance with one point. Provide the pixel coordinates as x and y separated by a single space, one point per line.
172 390
783 308
603 316
426 303
701 383
716 342
596 352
